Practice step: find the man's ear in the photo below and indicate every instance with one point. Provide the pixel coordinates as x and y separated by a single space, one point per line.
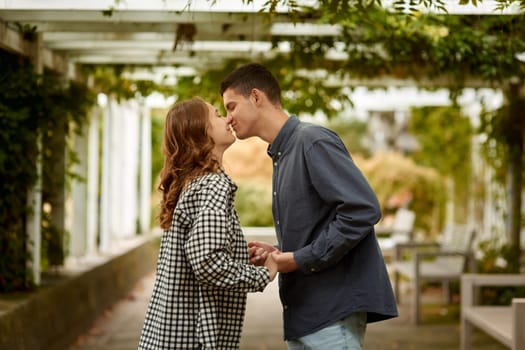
257 96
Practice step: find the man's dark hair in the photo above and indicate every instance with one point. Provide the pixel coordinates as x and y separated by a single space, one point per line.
250 76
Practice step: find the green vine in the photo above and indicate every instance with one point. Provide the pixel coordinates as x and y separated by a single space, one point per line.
32 107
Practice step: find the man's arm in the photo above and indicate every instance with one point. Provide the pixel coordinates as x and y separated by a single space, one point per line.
340 183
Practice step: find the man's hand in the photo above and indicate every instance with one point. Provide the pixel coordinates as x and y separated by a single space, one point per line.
258 252
285 261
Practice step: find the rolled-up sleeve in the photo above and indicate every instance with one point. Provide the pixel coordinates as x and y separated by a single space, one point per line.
340 184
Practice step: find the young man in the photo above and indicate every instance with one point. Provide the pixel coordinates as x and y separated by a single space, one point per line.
333 278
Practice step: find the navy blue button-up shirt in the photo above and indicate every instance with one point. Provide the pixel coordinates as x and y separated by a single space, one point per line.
324 211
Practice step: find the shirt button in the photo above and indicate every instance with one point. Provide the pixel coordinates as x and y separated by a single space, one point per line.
275 193
275 163
285 307
313 269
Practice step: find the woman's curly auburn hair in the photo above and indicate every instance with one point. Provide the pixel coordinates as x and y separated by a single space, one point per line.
187 150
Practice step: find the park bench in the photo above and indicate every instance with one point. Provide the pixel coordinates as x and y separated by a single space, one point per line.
443 262
401 231
504 323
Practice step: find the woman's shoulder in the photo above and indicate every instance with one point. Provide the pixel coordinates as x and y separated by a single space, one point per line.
208 183
210 190
208 179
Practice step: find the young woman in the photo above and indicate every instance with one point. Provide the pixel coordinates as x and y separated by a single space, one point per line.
203 271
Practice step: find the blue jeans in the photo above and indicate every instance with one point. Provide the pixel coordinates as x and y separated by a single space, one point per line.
346 334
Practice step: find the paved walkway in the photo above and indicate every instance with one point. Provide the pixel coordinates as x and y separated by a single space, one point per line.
119 327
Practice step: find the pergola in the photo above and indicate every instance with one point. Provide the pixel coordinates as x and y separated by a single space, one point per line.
170 37
176 37
161 39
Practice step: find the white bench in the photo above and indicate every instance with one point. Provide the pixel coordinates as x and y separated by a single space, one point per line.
400 231
504 323
433 262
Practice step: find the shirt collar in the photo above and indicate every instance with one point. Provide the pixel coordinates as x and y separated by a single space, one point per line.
283 136
232 184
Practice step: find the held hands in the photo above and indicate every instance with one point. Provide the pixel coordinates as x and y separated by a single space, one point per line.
261 253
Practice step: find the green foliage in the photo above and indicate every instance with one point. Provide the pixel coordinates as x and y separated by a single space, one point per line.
497 258
253 202
18 132
52 244
437 50
501 128
300 92
445 135
205 85
157 158
32 108
392 173
110 80
352 132
434 50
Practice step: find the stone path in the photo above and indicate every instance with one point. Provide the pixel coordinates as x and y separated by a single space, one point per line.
119 327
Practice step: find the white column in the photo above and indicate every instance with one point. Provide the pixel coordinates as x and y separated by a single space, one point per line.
449 206
131 162
92 214
124 169
78 217
33 228
145 169
115 169
105 189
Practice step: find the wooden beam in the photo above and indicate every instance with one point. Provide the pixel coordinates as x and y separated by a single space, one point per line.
134 16
443 81
153 31
200 61
13 41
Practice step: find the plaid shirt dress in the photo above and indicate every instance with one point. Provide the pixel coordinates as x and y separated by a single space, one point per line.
203 274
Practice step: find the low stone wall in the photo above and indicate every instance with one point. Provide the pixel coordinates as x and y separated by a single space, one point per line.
66 305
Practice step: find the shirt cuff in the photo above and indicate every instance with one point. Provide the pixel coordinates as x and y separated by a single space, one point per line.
303 260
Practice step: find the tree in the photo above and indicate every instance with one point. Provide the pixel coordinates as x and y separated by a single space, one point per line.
445 135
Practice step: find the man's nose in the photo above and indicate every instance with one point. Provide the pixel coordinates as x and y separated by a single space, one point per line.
229 118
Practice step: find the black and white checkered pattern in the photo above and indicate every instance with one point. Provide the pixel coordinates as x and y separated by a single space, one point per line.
203 275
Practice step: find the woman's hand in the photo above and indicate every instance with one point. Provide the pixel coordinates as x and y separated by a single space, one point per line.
258 252
271 265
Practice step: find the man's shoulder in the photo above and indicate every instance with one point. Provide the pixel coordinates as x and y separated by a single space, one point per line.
310 132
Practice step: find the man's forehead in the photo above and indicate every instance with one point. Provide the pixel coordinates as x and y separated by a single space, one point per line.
231 95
